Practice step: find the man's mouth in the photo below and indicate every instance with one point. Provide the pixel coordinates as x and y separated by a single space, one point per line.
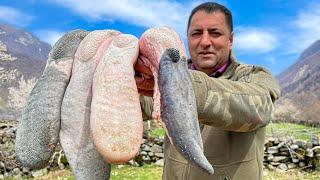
205 52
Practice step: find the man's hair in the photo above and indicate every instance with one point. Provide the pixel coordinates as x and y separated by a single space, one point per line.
211 7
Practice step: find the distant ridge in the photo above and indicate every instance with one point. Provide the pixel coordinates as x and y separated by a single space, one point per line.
22 60
300 84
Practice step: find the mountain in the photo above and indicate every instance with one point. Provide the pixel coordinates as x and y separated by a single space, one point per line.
300 84
22 60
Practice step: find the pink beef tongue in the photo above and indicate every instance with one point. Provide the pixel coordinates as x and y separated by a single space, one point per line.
75 138
116 118
153 44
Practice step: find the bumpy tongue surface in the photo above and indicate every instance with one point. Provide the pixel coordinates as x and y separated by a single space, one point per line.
153 44
174 101
38 131
116 119
75 134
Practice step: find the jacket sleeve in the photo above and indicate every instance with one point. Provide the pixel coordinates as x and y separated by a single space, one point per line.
241 104
146 104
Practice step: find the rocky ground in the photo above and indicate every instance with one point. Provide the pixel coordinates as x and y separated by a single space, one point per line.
280 154
10 167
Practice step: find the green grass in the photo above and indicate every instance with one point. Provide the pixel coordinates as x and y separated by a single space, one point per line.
152 172
291 175
147 172
158 132
296 131
118 172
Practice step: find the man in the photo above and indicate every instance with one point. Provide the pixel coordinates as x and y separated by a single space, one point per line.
234 102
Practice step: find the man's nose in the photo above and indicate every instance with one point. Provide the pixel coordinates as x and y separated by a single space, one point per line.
205 40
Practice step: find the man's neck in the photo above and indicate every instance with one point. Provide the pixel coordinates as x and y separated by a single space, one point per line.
213 73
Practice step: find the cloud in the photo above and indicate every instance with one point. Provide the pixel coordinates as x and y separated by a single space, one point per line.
255 40
13 16
271 60
142 13
49 36
306 28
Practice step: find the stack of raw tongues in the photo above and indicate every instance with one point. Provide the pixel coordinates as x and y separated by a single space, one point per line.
88 99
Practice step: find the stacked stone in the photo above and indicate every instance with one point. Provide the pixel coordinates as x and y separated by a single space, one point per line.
151 151
8 164
284 154
10 167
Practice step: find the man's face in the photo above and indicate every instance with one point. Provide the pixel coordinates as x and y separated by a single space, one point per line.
209 41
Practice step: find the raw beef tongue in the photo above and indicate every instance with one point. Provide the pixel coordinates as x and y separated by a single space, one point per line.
75 134
173 84
39 127
116 118
152 45
179 109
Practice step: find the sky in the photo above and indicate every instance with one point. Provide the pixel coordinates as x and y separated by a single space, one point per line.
270 33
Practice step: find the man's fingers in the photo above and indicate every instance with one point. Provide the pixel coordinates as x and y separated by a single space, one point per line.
143 83
144 78
141 68
146 93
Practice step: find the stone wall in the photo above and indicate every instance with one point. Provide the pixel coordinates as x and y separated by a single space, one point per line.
281 154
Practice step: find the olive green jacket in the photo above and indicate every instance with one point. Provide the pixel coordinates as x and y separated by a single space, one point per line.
234 110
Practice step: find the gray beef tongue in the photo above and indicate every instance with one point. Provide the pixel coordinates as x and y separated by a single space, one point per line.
173 88
178 109
39 127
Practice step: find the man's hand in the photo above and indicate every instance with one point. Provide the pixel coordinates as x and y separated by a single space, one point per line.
144 78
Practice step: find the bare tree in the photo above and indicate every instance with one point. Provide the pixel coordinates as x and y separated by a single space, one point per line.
4 56
18 95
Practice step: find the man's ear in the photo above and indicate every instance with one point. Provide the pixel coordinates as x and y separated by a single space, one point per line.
230 40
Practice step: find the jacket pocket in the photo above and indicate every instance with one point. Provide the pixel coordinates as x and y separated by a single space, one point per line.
174 169
196 174
223 148
248 170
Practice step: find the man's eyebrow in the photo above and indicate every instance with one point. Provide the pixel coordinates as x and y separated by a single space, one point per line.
201 29
213 28
196 29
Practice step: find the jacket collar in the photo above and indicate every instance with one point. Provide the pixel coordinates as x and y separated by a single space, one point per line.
231 68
